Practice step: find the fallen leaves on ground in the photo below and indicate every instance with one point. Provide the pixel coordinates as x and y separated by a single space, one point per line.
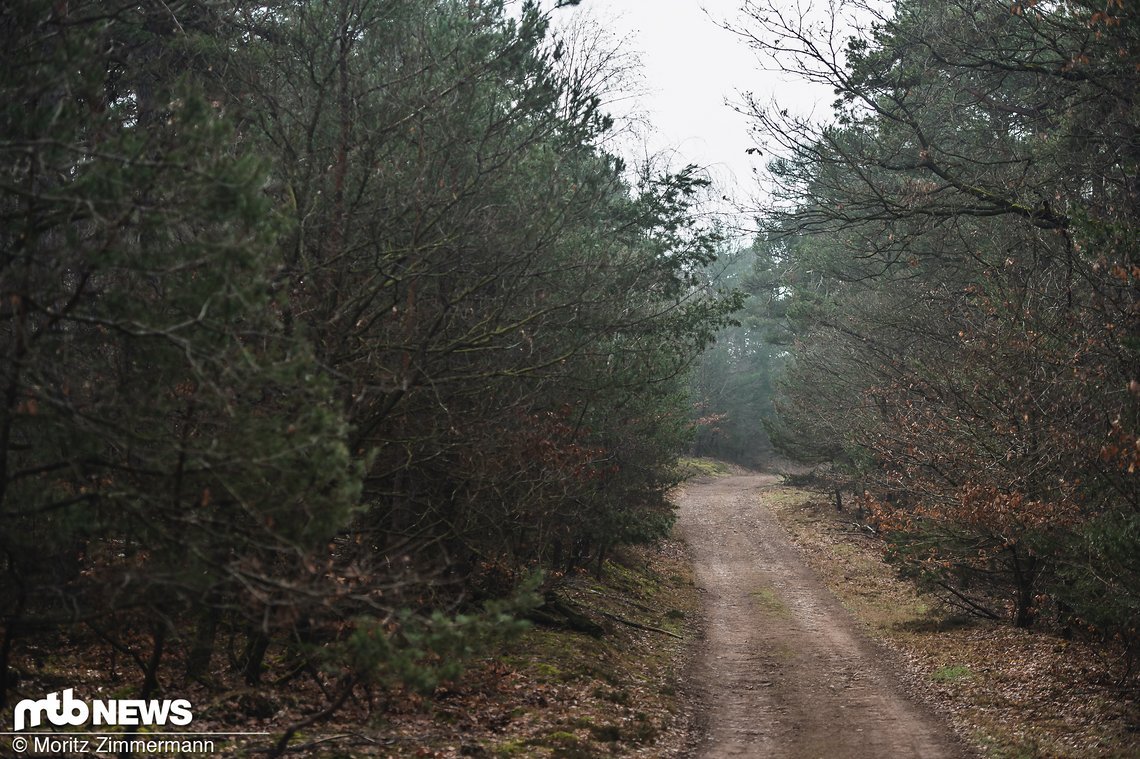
1010 692
551 693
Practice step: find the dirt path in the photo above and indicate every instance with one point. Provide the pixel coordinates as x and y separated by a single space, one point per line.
784 671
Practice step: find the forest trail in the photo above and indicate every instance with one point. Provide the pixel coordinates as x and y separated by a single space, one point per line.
783 670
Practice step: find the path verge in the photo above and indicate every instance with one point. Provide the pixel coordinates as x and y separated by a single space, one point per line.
1014 694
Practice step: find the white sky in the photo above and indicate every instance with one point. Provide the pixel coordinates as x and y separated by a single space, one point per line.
692 68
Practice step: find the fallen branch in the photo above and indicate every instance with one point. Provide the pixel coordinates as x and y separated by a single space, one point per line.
639 626
560 613
964 602
358 738
346 685
619 599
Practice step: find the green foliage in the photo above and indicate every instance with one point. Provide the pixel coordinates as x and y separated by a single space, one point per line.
421 652
519 272
308 306
1098 575
153 407
951 673
958 251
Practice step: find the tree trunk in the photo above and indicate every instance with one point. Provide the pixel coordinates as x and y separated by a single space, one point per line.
1025 576
6 679
150 676
202 647
253 657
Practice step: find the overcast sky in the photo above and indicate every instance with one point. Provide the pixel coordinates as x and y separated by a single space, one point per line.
692 69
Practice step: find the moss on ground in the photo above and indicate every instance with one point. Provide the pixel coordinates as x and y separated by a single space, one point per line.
767 600
690 467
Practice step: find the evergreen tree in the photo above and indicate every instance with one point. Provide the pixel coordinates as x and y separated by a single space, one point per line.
969 319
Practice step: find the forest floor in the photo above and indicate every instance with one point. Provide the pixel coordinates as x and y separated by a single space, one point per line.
768 627
567 695
1011 694
551 692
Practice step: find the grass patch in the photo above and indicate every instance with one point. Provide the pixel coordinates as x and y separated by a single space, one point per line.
556 738
510 748
690 467
952 673
849 560
770 603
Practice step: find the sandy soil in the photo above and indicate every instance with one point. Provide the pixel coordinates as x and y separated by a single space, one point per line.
783 670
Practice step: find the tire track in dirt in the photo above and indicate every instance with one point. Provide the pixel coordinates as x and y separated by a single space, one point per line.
783 670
